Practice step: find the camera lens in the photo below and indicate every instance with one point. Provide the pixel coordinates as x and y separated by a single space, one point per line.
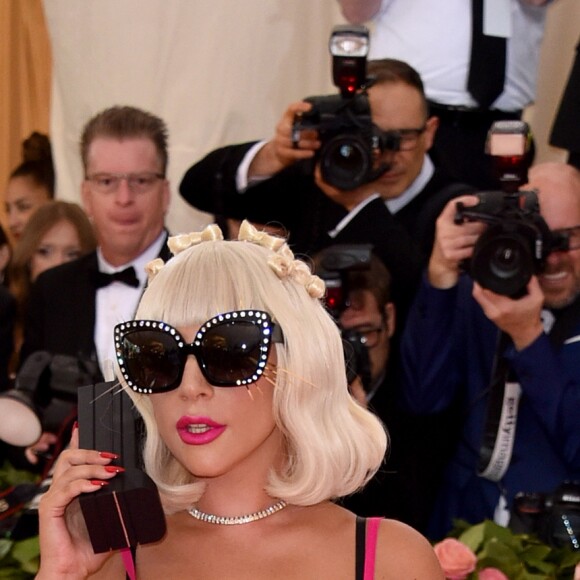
345 161
357 356
502 261
505 263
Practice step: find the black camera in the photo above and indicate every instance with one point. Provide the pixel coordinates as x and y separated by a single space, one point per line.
515 245
554 518
334 266
351 143
44 396
517 242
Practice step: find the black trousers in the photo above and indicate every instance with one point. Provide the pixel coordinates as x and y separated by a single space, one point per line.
565 130
574 159
459 145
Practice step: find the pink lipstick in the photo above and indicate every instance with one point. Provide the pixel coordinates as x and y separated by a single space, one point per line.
198 430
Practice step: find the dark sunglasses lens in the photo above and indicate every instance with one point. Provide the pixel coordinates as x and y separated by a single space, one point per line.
151 359
231 352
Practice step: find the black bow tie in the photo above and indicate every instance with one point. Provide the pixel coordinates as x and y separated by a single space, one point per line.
127 276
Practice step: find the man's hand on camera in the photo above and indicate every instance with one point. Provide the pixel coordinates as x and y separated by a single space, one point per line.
348 199
453 244
282 151
520 318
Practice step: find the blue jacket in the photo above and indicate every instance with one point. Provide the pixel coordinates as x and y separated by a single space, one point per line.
448 349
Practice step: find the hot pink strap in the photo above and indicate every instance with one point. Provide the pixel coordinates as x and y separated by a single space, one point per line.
371 547
129 563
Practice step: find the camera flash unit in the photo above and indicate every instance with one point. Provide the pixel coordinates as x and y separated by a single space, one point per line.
508 142
349 46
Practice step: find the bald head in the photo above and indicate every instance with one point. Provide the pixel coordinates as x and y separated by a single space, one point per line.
555 182
558 186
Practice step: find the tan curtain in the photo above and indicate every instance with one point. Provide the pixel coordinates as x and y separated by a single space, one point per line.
25 65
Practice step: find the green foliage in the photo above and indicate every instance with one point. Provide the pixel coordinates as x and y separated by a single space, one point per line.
10 476
19 560
518 556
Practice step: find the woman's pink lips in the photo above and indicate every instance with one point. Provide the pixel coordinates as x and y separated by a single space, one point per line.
211 432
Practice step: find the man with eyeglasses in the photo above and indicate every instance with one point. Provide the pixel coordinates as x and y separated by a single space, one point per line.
362 306
273 182
74 308
518 396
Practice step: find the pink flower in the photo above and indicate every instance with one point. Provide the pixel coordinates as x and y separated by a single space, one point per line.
456 559
491 574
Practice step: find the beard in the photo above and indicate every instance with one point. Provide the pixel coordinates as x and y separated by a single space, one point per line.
558 303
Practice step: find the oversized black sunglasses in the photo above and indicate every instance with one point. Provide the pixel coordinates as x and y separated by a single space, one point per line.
231 350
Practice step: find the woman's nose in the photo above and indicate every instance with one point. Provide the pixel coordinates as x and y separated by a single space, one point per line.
193 383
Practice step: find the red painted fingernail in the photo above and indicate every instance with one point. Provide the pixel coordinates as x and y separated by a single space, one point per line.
108 455
75 425
99 482
114 469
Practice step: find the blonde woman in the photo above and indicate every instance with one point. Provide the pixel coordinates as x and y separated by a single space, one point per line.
251 432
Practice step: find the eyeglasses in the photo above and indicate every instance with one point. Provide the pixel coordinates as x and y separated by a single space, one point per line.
231 350
401 139
368 336
137 182
568 238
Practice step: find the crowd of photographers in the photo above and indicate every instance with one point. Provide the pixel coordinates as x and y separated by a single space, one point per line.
452 286
354 168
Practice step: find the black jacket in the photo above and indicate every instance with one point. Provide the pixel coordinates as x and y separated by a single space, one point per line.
292 199
62 309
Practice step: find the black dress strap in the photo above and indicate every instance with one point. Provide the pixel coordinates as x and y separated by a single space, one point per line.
360 547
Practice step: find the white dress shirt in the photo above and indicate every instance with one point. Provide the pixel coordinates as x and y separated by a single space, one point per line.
118 302
434 37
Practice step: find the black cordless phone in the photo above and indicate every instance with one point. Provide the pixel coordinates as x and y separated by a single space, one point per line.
127 511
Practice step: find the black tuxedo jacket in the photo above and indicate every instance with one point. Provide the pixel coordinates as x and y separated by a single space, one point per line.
62 309
292 199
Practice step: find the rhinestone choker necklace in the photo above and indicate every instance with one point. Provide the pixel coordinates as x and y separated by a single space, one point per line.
236 520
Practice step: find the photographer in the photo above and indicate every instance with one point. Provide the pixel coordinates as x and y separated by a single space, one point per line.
449 351
279 181
361 303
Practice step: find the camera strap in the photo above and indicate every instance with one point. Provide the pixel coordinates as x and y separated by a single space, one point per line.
501 419
504 395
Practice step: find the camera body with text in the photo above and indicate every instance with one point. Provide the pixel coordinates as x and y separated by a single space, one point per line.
554 517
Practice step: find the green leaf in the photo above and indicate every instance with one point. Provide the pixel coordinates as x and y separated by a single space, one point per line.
27 550
473 537
12 573
5 547
10 476
499 552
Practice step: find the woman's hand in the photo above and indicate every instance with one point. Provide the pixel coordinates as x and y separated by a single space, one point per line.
66 551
